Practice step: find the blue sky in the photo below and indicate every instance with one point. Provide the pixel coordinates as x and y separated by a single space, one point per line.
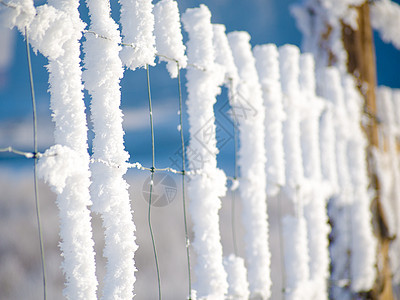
267 21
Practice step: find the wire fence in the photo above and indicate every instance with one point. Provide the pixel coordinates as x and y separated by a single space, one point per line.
244 106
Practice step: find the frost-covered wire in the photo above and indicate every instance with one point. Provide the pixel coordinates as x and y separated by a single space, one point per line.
18 152
251 162
204 190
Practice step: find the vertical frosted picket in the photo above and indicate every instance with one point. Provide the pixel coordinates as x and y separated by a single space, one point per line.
137 22
294 225
234 265
340 204
315 211
251 162
55 31
109 190
206 188
167 30
363 241
267 63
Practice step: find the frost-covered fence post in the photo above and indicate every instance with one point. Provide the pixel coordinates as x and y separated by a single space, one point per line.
267 64
55 30
339 206
137 21
363 241
205 188
167 31
315 209
293 223
234 265
252 161
109 190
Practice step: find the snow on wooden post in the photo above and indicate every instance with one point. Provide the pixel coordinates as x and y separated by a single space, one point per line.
315 210
109 189
294 224
250 114
206 187
55 31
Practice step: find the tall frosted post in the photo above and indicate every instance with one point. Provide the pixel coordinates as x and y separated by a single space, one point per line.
137 21
293 223
315 209
252 161
109 189
207 187
55 30
267 63
339 206
363 241
234 265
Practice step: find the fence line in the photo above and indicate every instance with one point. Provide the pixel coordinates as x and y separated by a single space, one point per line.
35 155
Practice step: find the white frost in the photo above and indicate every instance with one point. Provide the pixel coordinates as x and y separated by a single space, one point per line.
20 14
252 161
385 18
294 225
363 241
340 205
206 188
55 32
137 21
267 63
315 211
58 165
238 286
109 190
167 30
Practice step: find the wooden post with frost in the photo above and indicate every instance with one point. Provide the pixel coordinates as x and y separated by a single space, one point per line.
359 45
322 23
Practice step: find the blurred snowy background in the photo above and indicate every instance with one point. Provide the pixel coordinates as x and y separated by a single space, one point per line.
267 21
